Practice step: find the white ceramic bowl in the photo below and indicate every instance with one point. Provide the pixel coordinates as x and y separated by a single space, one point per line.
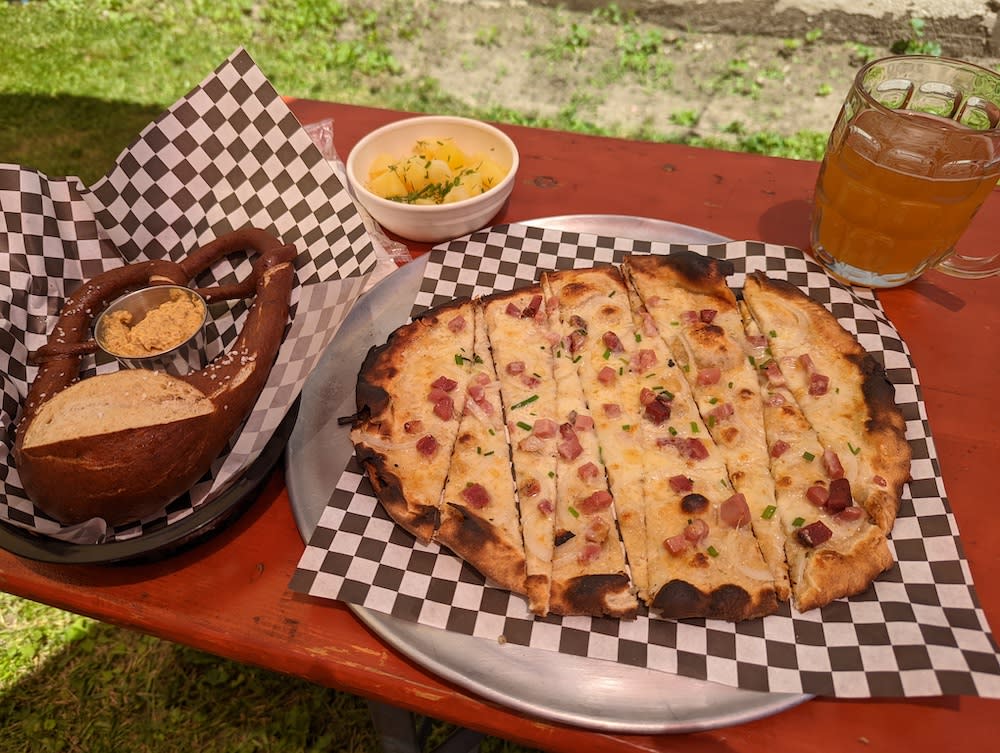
433 222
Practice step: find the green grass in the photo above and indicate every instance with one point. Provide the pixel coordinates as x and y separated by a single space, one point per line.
72 684
79 79
69 683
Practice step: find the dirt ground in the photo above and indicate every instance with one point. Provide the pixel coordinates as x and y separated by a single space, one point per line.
630 77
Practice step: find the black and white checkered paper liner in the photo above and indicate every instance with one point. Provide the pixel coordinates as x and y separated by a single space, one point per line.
918 631
228 155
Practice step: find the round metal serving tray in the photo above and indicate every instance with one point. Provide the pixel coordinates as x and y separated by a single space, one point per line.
591 693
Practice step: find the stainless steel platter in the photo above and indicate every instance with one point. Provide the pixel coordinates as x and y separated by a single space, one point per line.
595 694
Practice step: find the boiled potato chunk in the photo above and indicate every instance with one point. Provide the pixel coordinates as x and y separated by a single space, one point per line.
449 153
469 184
422 173
436 171
381 164
490 172
388 185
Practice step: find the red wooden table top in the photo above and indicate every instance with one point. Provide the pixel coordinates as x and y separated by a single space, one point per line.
229 595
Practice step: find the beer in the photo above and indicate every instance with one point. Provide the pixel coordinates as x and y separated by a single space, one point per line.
896 193
898 185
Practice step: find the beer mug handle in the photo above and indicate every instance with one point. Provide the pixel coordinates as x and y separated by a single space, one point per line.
969 267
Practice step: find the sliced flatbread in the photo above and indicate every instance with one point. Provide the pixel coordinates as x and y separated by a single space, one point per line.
589 574
833 549
704 560
522 353
410 397
590 303
612 437
842 390
696 312
480 520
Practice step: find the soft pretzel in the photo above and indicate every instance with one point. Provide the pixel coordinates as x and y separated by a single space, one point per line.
123 445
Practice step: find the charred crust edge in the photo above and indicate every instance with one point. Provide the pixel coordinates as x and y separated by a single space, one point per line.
697 270
594 595
371 398
880 397
507 294
679 599
388 489
471 530
475 539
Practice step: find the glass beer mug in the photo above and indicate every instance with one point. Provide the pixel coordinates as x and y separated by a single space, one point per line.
912 157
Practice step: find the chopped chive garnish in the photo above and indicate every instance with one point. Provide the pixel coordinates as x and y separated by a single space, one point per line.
526 401
712 551
487 454
798 522
479 450
626 427
552 474
477 358
694 427
638 337
711 421
573 511
809 456
730 385
522 425
713 400
672 430
459 359
686 367
577 359
769 512
854 450
612 294
493 432
772 333
607 354
753 361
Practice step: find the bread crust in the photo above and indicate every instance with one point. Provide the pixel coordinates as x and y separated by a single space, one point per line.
121 476
830 574
679 599
687 270
475 539
595 594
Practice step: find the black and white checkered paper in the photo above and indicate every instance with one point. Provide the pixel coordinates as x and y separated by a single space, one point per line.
227 155
919 631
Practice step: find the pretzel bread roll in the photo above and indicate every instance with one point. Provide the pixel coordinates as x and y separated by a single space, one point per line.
123 445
